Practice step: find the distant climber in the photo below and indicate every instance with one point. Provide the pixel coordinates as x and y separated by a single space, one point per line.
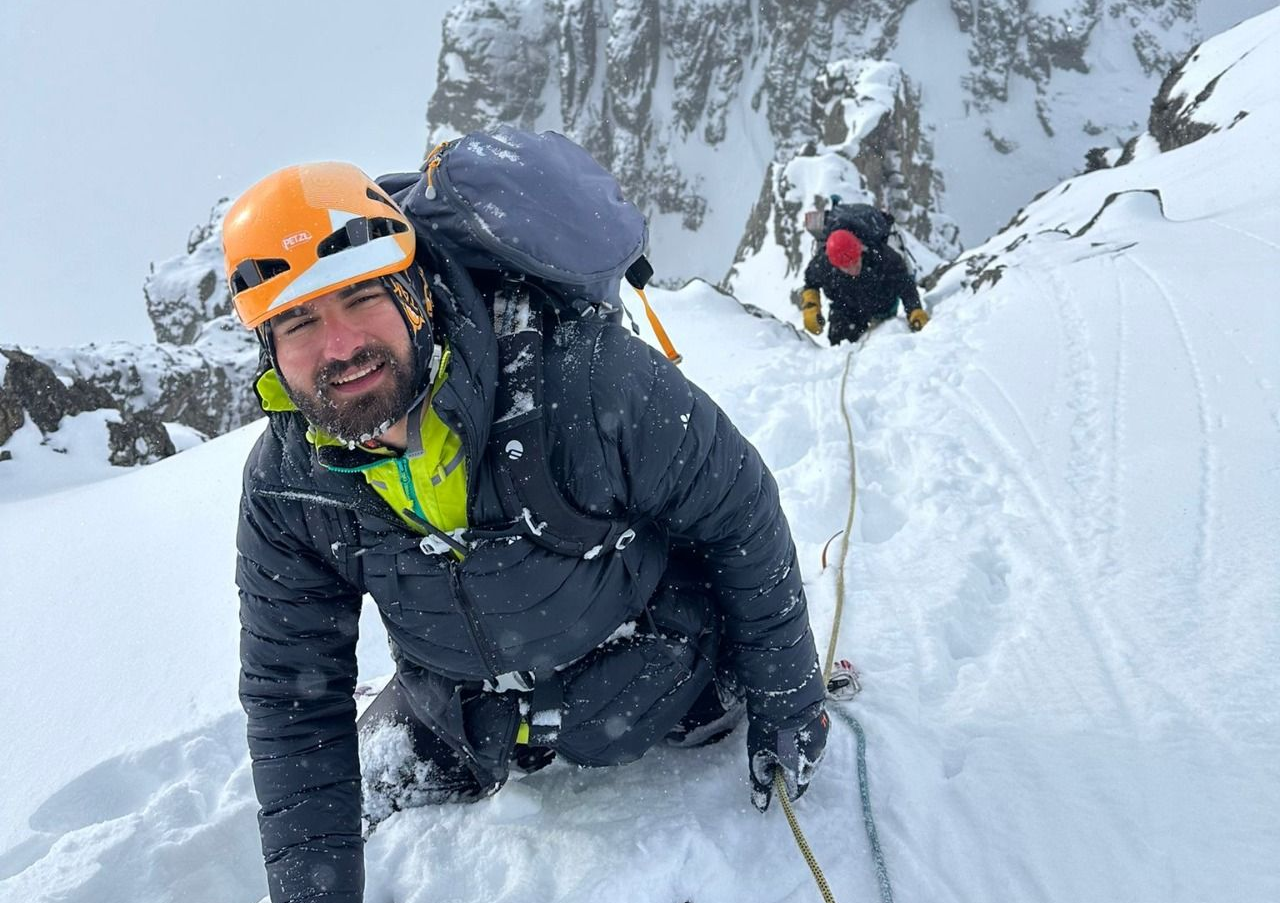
863 278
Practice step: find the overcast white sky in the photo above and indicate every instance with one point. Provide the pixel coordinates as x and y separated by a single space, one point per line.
122 123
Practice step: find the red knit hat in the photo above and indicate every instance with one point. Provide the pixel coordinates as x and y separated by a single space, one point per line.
844 249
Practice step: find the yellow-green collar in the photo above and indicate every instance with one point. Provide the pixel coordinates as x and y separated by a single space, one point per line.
274 399
272 395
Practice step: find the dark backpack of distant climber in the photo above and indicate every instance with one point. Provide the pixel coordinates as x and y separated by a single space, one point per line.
863 277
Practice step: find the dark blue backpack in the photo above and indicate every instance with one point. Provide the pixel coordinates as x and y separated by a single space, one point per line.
541 214
535 206
871 225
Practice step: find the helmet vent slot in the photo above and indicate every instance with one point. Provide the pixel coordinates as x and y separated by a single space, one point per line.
359 231
252 273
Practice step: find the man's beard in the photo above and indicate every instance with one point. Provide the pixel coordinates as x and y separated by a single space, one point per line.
354 420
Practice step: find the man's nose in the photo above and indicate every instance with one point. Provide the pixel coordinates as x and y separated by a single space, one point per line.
341 338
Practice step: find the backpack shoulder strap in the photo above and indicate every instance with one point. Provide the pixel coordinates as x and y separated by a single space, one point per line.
531 500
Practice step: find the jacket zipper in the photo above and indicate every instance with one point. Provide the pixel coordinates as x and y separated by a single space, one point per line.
473 623
406 483
465 607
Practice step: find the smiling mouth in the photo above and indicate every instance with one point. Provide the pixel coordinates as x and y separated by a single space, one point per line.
359 377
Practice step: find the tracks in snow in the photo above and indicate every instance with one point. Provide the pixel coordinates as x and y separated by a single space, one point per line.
1208 465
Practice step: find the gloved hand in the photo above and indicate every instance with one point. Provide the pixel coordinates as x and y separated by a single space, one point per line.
917 319
811 309
796 751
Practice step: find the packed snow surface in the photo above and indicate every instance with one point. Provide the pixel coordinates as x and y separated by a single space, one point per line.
1063 595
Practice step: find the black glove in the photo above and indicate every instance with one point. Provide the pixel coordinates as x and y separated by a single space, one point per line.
797 751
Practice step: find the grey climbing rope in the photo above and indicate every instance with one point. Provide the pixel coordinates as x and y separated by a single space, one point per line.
868 818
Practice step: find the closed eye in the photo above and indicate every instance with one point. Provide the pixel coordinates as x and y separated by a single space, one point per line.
364 298
297 323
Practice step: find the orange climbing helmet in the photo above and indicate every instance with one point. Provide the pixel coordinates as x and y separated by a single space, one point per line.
308 230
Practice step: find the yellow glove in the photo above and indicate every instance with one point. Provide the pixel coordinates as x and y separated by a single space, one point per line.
917 319
811 308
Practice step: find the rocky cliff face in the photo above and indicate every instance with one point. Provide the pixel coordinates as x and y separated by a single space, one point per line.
950 113
689 100
1210 91
198 375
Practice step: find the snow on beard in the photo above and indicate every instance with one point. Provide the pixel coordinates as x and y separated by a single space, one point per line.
357 420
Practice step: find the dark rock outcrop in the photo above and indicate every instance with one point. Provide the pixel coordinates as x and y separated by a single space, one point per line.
32 389
198 374
1172 121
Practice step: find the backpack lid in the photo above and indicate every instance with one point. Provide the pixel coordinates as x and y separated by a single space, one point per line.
537 204
871 225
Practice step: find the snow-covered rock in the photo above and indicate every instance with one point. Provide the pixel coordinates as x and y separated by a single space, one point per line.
1219 87
187 291
195 381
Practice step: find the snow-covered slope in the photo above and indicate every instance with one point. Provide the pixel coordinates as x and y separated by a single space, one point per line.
1063 595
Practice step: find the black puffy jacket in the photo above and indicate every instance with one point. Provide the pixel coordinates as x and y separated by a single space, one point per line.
871 295
628 436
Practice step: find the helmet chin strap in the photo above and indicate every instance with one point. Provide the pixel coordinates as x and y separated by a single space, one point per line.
267 346
407 288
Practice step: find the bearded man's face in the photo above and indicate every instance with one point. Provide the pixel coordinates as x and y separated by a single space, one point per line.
346 360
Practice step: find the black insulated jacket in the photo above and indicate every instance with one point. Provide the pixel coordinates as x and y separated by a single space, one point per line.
627 436
871 295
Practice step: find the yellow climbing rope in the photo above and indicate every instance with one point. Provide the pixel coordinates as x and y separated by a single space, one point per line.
848 522
780 785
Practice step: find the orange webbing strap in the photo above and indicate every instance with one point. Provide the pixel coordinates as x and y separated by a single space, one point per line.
667 348
431 162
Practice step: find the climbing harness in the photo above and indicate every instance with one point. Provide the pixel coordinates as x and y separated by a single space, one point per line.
842 681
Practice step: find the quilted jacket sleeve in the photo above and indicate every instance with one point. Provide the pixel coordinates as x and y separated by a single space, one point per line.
813 275
904 284
685 464
299 623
